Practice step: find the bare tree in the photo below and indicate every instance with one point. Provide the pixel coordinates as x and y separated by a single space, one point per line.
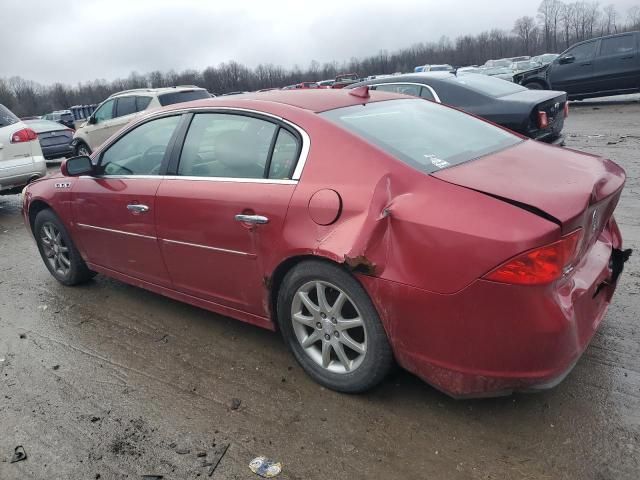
549 16
609 21
633 15
525 28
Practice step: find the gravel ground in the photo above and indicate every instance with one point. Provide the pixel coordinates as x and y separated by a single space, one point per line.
110 381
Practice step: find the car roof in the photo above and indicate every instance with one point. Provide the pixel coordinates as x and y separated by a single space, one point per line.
155 91
314 100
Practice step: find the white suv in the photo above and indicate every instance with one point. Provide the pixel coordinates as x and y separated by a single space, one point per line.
21 159
120 108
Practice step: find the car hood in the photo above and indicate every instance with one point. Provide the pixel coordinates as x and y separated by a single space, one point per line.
533 72
556 183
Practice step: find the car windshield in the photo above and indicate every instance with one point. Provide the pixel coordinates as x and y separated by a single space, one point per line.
40 126
424 135
183 96
494 87
7 117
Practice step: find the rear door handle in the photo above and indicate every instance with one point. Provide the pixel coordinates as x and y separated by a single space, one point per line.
586 64
137 208
256 219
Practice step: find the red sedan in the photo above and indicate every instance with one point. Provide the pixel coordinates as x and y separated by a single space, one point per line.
366 227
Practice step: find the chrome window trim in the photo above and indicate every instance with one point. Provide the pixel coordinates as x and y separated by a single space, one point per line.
433 92
302 158
111 230
275 181
207 247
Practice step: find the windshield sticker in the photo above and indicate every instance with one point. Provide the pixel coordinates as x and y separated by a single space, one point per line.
437 162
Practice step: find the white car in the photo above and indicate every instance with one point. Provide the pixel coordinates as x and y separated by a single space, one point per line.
21 159
122 107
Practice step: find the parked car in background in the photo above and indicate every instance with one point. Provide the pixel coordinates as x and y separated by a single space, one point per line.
523 66
122 107
232 93
596 68
503 73
345 79
301 85
545 58
64 117
21 159
503 62
433 68
505 252
326 83
55 139
537 115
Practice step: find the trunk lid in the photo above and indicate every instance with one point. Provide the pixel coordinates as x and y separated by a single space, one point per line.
570 188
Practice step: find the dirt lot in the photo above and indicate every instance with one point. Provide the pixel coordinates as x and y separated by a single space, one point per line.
111 381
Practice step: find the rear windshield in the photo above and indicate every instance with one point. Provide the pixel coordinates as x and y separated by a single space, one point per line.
67 116
493 87
184 96
7 117
40 126
424 135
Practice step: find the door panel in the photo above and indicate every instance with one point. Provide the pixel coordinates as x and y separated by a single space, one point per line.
575 77
114 235
617 67
208 253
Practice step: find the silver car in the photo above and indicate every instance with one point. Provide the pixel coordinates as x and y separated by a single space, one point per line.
21 159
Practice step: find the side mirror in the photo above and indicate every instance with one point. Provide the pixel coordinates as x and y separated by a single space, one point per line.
566 59
76 166
91 120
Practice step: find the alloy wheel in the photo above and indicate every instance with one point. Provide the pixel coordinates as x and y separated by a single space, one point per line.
55 250
329 327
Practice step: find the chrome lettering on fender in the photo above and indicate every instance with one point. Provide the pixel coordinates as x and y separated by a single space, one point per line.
63 185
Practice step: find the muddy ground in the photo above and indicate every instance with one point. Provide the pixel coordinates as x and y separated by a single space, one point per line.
110 381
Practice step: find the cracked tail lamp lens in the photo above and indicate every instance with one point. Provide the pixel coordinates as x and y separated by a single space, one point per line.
541 265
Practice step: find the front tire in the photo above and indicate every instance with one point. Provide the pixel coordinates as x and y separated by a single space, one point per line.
58 252
82 149
332 327
535 86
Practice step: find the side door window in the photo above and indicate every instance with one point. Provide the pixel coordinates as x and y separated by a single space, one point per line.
125 106
583 52
624 44
426 93
227 145
285 155
142 103
140 151
104 112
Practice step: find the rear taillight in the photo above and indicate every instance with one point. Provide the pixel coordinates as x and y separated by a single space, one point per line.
566 109
543 120
541 265
24 135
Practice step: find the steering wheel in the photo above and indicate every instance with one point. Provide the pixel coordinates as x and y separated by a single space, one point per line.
155 149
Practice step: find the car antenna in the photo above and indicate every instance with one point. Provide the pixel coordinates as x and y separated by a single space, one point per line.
362 92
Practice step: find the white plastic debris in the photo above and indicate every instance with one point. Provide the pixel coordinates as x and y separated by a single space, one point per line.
265 467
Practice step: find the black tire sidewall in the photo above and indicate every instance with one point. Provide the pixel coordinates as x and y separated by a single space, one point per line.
378 359
78 271
84 146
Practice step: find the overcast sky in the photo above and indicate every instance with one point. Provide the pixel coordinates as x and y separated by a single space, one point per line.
79 40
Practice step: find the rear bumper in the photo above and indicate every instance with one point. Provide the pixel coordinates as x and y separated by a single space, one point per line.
13 179
57 151
493 339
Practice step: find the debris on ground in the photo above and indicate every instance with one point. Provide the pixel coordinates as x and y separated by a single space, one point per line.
55 367
217 456
23 336
201 454
182 451
152 477
94 419
235 403
19 454
265 467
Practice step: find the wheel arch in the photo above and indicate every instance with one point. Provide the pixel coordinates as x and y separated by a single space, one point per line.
35 207
539 81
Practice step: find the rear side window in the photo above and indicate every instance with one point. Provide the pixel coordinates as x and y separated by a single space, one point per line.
404 88
67 116
285 154
618 45
7 117
226 145
424 135
142 103
486 85
183 96
125 106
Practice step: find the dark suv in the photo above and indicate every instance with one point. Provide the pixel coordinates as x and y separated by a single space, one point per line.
64 117
595 68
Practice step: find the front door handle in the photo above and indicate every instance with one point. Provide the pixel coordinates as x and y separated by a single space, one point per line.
256 219
137 208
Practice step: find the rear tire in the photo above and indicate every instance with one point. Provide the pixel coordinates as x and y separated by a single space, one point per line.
333 329
58 252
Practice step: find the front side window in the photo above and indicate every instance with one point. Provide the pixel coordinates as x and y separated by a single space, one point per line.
104 112
140 151
582 52
7 117
226 145
125 106
424 135
617 45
